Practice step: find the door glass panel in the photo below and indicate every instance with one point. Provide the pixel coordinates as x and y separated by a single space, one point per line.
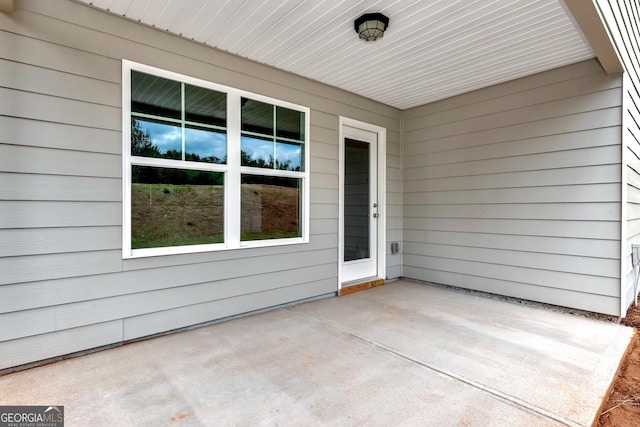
356 200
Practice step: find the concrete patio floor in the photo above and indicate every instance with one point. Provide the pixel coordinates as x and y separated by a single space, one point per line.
400 354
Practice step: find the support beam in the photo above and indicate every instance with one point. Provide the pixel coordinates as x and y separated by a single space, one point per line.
586 15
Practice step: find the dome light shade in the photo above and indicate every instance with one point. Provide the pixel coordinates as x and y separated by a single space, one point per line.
371 26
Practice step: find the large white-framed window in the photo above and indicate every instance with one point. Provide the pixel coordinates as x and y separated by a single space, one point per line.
209 167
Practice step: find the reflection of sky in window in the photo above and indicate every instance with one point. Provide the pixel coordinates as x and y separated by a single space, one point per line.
205 143
164 137
261 149
289 153
197 141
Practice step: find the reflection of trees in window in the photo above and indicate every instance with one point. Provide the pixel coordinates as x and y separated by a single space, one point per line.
154 175
286 166
247 160
193 157
142 145
179 178
263 125
278 181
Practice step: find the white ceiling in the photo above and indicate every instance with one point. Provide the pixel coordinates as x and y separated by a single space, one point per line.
433 49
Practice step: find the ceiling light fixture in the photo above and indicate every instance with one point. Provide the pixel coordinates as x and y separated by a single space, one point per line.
371 26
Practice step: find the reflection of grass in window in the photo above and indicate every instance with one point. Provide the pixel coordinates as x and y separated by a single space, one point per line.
176 215
268 235
269 211
176 241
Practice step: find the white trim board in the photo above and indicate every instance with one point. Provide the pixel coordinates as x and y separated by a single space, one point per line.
382 179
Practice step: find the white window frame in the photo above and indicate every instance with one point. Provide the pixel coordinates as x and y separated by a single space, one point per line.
232 170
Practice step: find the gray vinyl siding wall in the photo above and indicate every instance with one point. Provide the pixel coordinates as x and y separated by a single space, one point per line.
516 189
64 286
394 203
623 22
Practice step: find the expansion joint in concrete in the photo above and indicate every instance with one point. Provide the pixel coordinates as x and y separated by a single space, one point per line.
504 397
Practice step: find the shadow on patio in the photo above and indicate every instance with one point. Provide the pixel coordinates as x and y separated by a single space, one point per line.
400 354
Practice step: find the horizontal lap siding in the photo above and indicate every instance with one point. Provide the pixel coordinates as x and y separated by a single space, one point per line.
64 286
623 22
515 189
394 203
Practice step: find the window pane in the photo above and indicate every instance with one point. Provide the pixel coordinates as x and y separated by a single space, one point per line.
257 117
289 156
256 152
205 145
176 207
356 200
205 106
290 123
154 138
270 207
155 95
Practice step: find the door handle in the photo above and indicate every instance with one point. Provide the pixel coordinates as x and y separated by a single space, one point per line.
375 214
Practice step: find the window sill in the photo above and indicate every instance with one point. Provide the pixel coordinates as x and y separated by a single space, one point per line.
218 247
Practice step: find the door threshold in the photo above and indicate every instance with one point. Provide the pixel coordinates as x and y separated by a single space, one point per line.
359 285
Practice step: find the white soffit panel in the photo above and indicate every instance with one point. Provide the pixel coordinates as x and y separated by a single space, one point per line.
433 49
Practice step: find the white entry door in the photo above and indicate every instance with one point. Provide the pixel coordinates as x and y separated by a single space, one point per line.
360 211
